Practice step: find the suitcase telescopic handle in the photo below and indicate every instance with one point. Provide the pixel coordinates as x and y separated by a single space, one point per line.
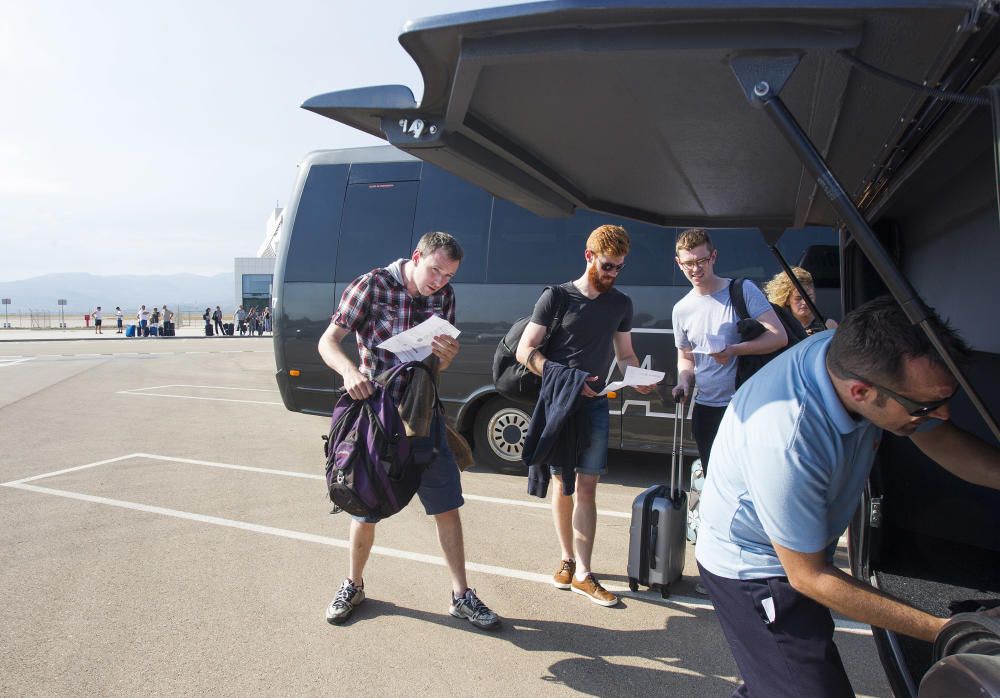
677 455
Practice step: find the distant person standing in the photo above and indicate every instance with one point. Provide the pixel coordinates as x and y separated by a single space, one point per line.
207 317
143 317
240 318
252 321
120 317
154 323
97 321
168 321
217 319
267 319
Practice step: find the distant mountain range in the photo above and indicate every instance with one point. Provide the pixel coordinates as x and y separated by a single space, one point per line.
84 292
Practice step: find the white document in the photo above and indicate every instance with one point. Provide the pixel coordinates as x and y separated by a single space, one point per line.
768 605
635 376
713 344
415 343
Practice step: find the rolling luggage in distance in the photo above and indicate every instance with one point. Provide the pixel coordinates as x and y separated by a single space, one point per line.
130 331
154 331
657 536
227 327
209 331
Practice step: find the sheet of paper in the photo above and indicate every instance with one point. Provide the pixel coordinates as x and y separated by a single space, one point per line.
634 376
415 343
712 344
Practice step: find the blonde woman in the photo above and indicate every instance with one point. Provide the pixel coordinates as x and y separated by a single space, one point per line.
782 292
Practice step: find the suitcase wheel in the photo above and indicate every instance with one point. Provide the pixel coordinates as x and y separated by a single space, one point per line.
633 584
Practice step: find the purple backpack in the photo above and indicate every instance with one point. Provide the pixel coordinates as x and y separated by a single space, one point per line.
371 469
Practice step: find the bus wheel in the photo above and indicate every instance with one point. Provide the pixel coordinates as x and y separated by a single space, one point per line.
501 426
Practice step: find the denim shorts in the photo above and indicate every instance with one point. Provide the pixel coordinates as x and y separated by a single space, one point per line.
594 460
441 484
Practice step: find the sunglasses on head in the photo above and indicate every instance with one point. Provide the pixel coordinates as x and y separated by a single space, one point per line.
915 408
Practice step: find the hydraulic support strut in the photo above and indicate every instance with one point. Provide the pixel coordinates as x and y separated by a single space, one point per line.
753 77
771 238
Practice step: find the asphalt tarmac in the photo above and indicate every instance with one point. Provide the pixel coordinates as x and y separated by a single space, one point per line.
164 530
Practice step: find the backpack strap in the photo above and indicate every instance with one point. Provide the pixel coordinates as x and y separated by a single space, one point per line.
561 297
736 296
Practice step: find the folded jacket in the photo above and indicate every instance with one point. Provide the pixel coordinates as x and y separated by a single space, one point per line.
559 431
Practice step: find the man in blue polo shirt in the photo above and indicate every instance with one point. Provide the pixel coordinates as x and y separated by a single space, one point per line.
789 466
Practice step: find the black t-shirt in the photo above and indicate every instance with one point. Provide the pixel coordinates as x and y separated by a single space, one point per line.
585 337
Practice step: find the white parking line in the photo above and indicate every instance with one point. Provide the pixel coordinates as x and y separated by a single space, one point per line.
146 392
206 387
314 476
193 397
541 504
69 470
14 360
841 625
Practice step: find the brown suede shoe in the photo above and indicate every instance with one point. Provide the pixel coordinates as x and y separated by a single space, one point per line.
564 576
592 589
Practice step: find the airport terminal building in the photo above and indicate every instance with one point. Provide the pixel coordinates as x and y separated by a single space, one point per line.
254 276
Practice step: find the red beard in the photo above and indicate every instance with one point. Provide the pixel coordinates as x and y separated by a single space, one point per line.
600 283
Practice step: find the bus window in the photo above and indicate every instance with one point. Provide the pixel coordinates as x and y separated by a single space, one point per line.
376 226
452 205
313 249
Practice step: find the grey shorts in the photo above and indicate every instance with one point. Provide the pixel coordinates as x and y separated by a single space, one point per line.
441 484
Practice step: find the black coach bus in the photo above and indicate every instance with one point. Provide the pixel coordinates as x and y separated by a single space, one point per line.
356 209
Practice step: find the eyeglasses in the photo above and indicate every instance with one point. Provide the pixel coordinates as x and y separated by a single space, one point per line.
696 263
915 408
608 266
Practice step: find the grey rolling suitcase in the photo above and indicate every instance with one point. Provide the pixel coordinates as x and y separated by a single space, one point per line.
657 536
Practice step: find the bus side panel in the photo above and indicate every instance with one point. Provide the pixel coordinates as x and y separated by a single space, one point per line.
304 272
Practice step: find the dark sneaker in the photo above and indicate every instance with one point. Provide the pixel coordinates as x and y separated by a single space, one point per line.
564 576
592 589
347 599
469 606
701 589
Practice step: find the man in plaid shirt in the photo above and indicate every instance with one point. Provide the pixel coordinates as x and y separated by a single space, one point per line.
376 306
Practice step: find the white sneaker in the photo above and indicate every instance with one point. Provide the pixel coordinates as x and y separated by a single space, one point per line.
347 599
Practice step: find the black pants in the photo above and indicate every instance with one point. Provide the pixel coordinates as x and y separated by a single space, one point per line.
792 655
705 422
218 327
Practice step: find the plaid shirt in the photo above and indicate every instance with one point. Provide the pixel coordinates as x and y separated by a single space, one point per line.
375 307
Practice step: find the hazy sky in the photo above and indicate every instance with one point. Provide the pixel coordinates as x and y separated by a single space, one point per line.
147 137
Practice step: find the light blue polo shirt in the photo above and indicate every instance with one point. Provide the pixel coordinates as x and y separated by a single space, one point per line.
789 464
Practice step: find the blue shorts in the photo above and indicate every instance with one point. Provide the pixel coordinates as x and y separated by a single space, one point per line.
441 484
594 460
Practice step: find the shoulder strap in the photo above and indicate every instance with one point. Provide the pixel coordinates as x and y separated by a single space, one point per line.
561 297
736 296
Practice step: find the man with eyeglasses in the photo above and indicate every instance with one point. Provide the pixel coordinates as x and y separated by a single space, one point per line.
707 342
789 466
596 322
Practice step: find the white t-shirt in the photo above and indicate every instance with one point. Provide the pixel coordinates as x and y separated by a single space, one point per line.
694 317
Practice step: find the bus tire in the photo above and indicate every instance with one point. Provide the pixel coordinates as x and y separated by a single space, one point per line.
498 437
